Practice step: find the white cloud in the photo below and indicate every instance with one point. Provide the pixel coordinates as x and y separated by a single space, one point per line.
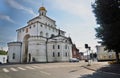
82 28
6 18
18 6
81 8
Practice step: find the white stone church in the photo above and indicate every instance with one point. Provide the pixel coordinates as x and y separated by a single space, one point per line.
40 41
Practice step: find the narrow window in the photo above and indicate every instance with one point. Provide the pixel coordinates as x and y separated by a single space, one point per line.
30 27
41 25
58 46
13 56
53 54
26 30
66 54
65 46
41 33
53 46
33 25
58 54
47 35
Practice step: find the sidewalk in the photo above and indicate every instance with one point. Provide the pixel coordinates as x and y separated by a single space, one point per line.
104 67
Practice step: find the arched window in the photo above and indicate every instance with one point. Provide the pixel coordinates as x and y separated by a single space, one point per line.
41 33
13 56
47 35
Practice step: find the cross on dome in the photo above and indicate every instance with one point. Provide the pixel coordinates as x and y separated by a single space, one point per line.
42 11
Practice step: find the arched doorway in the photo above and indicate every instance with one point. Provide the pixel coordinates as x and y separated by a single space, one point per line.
25 47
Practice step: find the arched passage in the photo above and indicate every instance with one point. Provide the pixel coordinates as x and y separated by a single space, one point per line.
25 48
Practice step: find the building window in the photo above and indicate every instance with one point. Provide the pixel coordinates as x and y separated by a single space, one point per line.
65 46
42 13
53 46
66 54
53 54
13 56
47 35
41 25
26 30
52 35
33 25
58 46
41 33
58 54
30 27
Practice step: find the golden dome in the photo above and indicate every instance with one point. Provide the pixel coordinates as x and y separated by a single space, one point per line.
42 8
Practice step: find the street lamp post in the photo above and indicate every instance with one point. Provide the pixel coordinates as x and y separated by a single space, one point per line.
89 48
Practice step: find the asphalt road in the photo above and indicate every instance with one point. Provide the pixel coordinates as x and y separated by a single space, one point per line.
51 70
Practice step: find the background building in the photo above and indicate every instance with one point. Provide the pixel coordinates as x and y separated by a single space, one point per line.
75 52
105 55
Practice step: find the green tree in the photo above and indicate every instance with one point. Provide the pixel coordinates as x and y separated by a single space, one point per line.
107 13
3 52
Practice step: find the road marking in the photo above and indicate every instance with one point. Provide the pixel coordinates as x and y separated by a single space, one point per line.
29 67
45 73
36 66
5 70
21 68
13 69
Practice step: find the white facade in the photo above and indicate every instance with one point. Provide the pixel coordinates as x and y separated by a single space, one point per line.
3 58
104 55
14 54
35 42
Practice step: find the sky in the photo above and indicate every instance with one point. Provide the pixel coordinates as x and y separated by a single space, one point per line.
73 16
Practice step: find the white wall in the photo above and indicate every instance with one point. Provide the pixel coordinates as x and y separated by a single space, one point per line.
14 47
3 58
37 49
35 28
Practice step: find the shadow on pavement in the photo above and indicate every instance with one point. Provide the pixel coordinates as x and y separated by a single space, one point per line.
109 71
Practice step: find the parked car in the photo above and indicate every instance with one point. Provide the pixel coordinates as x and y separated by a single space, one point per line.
74 60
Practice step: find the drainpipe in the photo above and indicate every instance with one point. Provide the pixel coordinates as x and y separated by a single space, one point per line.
46 50
20 52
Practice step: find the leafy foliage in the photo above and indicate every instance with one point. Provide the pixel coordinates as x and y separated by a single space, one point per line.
3 52
107 13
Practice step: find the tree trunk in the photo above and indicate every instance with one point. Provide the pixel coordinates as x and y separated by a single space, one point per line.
117 57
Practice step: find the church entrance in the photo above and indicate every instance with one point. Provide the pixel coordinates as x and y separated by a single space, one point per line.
25 48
